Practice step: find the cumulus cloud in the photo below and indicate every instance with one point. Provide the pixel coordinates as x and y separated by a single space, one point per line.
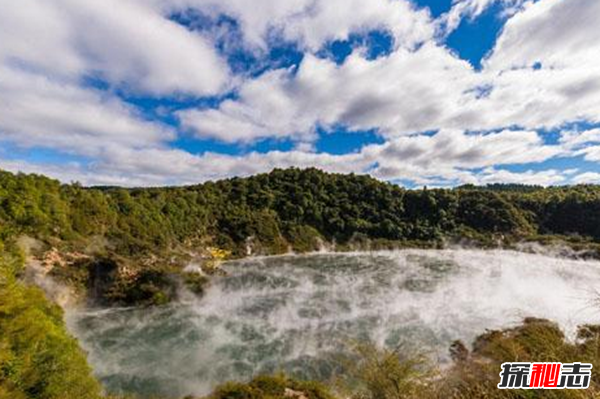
73 172
36 111
427 89
540 178
443 122
163 166
578 139
406 92
585 143
547 59
450 157
460 150
587 178
312 23
591 153
137 170
48 49
555 33
471 9
125 42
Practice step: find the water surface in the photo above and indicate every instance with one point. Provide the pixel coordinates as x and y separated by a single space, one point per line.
294 313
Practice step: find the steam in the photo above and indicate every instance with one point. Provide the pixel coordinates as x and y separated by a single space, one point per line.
58 293
38 274
296 312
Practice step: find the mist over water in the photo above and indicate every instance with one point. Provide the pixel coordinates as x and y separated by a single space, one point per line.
294 313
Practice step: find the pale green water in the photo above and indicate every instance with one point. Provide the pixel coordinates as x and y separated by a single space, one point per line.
294 313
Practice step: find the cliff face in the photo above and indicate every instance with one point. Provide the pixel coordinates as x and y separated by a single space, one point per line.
76 279
113 280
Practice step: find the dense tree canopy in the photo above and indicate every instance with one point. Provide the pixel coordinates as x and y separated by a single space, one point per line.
289 208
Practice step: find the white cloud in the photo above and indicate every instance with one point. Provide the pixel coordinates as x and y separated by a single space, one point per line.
557 33
403 93
586 143
126 42
450 157
39 112
267 112
591 153
458 149
47 48
160 167
562 38
471 9
416 88
532 99
575 139
315 22
428 89
37 34
541 178
587 178
73 172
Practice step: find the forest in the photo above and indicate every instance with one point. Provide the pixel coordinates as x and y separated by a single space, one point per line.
102 236
290 209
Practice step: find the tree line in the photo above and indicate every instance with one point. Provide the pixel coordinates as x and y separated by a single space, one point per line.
292 208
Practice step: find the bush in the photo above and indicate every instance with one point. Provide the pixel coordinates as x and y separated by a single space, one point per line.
38 358
475 375
304 238
195 282
271 387
379 373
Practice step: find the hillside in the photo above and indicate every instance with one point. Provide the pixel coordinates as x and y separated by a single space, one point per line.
123 246
287 208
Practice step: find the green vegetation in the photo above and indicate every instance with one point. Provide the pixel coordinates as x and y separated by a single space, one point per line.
38 359
127 246
195 282
272 387
370 372
475 374
136 240
286 209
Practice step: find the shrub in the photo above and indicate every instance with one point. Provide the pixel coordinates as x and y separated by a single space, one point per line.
271 387
379 373
38 358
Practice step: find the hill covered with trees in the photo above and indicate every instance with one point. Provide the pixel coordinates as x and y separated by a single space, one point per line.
124 245
286 209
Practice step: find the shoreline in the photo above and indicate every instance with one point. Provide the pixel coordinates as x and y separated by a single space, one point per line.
560 249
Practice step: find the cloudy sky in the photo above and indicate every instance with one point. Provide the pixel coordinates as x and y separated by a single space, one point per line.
417 92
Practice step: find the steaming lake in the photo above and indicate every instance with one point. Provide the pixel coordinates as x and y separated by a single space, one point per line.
294 313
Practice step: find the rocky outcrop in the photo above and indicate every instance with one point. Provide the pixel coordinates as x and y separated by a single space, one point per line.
54 258
290 393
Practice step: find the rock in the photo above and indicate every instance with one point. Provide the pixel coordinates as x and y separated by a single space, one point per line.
459 351
52 259
290 393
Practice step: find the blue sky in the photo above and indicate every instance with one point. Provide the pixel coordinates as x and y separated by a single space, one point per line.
421 92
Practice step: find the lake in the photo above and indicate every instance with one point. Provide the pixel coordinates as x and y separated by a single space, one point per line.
297 313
